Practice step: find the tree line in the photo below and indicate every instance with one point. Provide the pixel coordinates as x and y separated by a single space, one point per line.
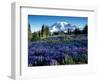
44 32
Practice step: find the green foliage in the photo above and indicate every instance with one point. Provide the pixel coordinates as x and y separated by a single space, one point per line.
45 31
77 31
35 36
66 60
69 60
82 58
42 31
69 31
29 33
29 36
85 30
29 28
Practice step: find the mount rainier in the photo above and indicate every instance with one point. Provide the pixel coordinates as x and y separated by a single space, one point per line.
62 26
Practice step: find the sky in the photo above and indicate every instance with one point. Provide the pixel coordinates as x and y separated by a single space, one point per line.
36 21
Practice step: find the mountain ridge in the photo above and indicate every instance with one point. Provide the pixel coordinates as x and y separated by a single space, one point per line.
62 26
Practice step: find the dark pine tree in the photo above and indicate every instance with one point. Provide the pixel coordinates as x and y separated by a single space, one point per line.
42 30
85 29
46 31
29 28
77 31
29 33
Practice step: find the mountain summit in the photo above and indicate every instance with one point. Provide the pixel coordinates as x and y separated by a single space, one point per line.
62 26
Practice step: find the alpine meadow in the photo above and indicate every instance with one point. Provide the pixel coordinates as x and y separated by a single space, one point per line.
57 40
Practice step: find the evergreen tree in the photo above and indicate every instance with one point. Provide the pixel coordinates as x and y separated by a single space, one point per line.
39 33
29 33
42 30
69 31
77 31
29 28
85 30
46 31
35 36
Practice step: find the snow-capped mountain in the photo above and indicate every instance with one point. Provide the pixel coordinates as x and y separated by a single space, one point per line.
62 26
